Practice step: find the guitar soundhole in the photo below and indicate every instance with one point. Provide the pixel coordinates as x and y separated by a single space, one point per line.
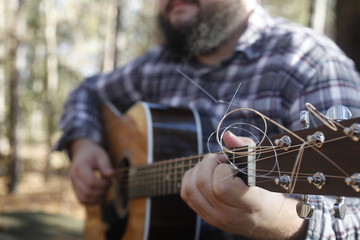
121 197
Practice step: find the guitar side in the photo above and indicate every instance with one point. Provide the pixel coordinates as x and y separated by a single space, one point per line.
128 129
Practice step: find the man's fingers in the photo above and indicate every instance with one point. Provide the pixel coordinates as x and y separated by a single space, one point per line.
192 195
104 166
227 187
90 177
232 140
85 194
89 186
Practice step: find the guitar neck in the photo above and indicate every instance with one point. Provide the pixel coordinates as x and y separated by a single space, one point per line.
158 179
336 158
261 169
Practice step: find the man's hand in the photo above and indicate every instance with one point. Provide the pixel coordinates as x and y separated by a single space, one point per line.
223 200
90 172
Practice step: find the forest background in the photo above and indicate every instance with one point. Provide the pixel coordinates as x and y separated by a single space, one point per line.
47 47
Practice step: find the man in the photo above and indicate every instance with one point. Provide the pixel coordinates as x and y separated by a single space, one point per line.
221 44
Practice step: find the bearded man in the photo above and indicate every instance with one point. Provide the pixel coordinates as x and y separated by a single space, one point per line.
221 45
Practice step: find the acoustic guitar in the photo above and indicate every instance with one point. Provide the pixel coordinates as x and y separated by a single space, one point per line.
152 146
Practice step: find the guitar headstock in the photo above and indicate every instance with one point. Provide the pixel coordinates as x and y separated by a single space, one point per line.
314 161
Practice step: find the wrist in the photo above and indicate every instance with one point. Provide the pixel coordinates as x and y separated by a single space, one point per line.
280 220
77 145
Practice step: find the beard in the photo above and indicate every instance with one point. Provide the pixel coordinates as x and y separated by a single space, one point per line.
203 34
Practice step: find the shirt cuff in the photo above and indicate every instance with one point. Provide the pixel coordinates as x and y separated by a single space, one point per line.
86 132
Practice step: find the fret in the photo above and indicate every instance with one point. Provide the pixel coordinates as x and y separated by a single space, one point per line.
163 182
141 181
166 177
146 175
131 183
169 177
172 171
163 178
177 177
159 179
152 182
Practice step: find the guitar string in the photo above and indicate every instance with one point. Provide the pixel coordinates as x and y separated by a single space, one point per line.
142 183
149 170
328 122
296 168
181 160
267 150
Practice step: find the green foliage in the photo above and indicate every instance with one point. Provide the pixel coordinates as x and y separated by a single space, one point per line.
297 11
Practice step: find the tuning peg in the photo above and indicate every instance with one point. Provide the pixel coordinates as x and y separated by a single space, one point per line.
340 208
354 181
318 180
304 119
284 181
304 208
338 113
353 131
318 139
284 142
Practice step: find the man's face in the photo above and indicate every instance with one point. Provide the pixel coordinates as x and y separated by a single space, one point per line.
194 27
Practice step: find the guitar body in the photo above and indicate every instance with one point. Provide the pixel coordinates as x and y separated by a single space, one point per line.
146 134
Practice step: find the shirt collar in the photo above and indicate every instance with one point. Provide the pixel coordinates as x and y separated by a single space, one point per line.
251 43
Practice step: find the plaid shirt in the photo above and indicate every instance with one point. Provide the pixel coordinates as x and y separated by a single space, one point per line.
280 65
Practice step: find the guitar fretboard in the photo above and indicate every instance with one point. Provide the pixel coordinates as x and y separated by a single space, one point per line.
159 179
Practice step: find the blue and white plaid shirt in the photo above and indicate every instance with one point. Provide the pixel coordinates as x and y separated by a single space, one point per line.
280 65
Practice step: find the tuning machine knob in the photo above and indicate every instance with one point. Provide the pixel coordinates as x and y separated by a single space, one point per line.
354 181
318 139
304 119
338 113
284 181
318 180
353 131
284 142
340 208
304 208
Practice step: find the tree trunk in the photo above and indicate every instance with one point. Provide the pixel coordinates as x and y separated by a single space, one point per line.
3 83
51 77
112 32
12 44
347 33
318 15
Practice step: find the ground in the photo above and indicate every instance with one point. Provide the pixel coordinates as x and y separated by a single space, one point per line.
40 209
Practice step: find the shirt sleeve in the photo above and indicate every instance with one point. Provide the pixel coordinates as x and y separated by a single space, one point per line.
81 116
335 82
